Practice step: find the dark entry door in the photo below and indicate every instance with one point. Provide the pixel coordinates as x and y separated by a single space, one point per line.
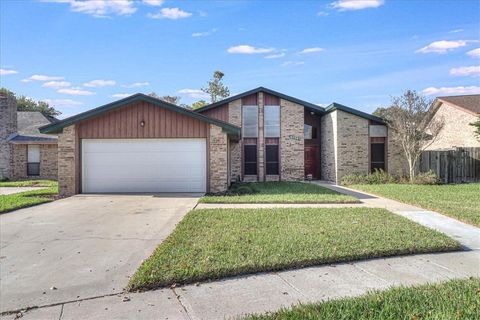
312 159
378 156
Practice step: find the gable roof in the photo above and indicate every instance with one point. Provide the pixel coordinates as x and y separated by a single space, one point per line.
470 103
58 126
28 124
337 106
308 105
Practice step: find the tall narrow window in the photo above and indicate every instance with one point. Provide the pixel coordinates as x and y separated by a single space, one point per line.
378 156
33 160
250 121
272 121
250 156
271 156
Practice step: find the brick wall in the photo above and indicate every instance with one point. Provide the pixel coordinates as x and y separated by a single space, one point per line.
67 178
457 131
8 126
235 118
328 125
49 161
218 150
291 141
19 161
397 162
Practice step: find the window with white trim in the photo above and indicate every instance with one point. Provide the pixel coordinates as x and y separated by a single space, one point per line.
33 160
250 121
272 121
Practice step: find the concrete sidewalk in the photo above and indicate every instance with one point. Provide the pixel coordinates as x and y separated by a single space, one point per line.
265 292
269 291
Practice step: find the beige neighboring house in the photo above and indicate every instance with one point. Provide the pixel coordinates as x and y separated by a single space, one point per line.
25 152
457 112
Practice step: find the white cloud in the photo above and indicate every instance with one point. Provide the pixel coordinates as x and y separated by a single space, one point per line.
75 92
311 50
156 3
170 13
100 83
194 93
456 31
66 103
247 49
465 71
344 5
121 95
204 34
275 56
322 13
292 63
475 53
430 91
5 72
442 46
56 84
41 77
101 8
136 85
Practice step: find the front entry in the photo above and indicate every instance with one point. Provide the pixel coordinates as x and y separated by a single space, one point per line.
312 161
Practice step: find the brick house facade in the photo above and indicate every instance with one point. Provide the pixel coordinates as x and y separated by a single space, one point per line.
259 135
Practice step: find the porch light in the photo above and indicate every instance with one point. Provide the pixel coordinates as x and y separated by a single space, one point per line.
142 123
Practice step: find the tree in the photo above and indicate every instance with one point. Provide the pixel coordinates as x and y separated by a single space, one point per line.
413 126
28 104
475 124
199 104
166 98
216 89
381 113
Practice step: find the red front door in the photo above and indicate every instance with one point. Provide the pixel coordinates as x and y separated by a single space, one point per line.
312 159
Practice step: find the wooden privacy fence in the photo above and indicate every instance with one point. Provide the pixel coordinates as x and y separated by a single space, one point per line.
453 166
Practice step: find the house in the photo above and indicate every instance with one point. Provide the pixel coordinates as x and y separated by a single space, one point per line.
143 144
457 113
25 152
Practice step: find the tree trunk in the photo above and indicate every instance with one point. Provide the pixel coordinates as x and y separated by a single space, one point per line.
411 167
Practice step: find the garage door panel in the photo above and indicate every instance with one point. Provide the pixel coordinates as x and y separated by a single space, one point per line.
144 165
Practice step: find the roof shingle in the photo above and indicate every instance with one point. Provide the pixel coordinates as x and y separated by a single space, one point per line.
467 102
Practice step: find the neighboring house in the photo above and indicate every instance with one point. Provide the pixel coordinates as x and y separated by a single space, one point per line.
143 144
457 113
25 152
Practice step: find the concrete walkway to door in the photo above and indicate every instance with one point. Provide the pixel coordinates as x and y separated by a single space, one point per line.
266 292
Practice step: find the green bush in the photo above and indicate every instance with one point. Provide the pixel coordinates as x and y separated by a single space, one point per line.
376 177
428 177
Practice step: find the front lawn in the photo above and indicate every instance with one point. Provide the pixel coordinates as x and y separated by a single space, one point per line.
455 299
279 192
215 243
29 183
460 201
28 198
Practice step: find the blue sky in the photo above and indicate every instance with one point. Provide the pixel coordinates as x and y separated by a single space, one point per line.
79 55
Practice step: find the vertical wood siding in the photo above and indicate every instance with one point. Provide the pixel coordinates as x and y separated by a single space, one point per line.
271 100
124 123
250 100
219 113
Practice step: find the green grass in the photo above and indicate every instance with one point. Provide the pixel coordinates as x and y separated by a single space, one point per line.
216 243
283 192
455 299
29 183
460 201
29 198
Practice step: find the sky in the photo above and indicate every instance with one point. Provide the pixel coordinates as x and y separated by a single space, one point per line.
78 55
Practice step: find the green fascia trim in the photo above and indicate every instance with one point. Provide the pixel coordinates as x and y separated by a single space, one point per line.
308 105
337 106
58 126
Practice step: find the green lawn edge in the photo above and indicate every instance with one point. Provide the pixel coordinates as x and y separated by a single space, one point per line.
142 280
397 196
454 299
12 202
29 183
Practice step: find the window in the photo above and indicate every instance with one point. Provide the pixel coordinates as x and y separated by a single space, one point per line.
271 159
272 121
250 121
309 132
250 159
378 156
33 160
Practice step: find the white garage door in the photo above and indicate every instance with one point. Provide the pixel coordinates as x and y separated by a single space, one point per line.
143 165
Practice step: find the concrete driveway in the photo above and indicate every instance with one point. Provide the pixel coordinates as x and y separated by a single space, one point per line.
83 246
